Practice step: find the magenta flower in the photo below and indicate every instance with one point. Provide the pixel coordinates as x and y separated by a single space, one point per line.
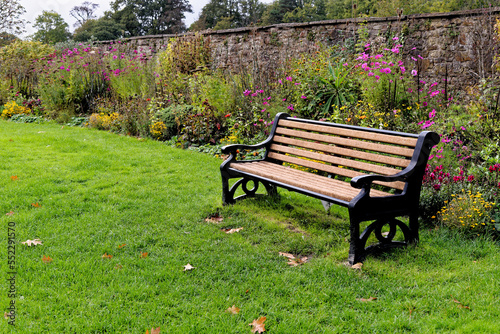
290 107
303 97
414 72
289 78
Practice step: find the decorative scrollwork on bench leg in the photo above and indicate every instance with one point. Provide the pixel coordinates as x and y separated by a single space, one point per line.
358 252
228 193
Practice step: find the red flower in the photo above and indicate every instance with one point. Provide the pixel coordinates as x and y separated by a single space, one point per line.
470 178
228 115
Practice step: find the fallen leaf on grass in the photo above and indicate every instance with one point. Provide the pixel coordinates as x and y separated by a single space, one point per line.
188 267
9 213
460 304
14 177
46 259
231 230
367 299
215 218
32 242
144 255
118 266
107 256
36 205
258 325
6 315
41 131
357 266
287 255
292 260
154 331
122 245
233 310
297 262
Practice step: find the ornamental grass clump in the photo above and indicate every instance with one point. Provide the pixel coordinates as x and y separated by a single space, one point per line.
468 212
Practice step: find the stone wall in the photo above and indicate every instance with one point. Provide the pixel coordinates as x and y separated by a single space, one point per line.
458 45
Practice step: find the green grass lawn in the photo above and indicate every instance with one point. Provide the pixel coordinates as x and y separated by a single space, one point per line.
97 191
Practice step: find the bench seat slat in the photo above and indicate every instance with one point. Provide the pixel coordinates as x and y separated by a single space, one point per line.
389 160
297 178
329 169
362 166
391 139
401 151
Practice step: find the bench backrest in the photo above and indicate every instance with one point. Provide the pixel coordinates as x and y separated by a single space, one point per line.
342 150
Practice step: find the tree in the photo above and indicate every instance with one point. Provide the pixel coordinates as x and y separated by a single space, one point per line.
10 17
154 17
103 29
84 12
51 28
224 14
311 10
6 38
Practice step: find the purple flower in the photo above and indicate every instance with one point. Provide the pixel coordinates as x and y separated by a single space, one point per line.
303 97
414 72
247 92
290 107
289 78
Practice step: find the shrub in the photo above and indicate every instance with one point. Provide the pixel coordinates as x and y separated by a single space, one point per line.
12 108
468 212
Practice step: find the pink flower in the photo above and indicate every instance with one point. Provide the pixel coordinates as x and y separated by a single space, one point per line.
290 107
470 178
414 72
303 97
432 113
289 78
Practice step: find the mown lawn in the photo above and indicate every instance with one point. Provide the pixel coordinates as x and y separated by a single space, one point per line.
103 194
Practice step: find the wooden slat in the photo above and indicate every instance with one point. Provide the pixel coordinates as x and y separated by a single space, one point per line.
363 166
389 160
304 180
368 135
401 151
329 169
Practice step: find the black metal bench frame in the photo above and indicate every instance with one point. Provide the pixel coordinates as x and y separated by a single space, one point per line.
382 210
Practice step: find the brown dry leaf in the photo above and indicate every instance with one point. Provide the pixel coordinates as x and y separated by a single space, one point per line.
188 267
367 299
231 230
144 255
258 325
233 310
297 262
154 331
122 245
14 177
287 255
214 219
357 266
32 242
46 259
107 256
6 315
36 205
9 213
460 304
118 266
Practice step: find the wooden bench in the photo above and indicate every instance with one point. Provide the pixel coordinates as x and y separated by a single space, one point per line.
376 174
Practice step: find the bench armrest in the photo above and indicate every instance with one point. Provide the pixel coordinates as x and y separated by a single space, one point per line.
233 148
364 181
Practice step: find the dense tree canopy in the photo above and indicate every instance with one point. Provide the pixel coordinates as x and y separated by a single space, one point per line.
151 17
51 28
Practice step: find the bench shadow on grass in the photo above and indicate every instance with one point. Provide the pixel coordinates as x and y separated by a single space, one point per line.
306 216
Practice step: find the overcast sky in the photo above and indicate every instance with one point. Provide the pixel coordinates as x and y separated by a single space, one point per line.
63 7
